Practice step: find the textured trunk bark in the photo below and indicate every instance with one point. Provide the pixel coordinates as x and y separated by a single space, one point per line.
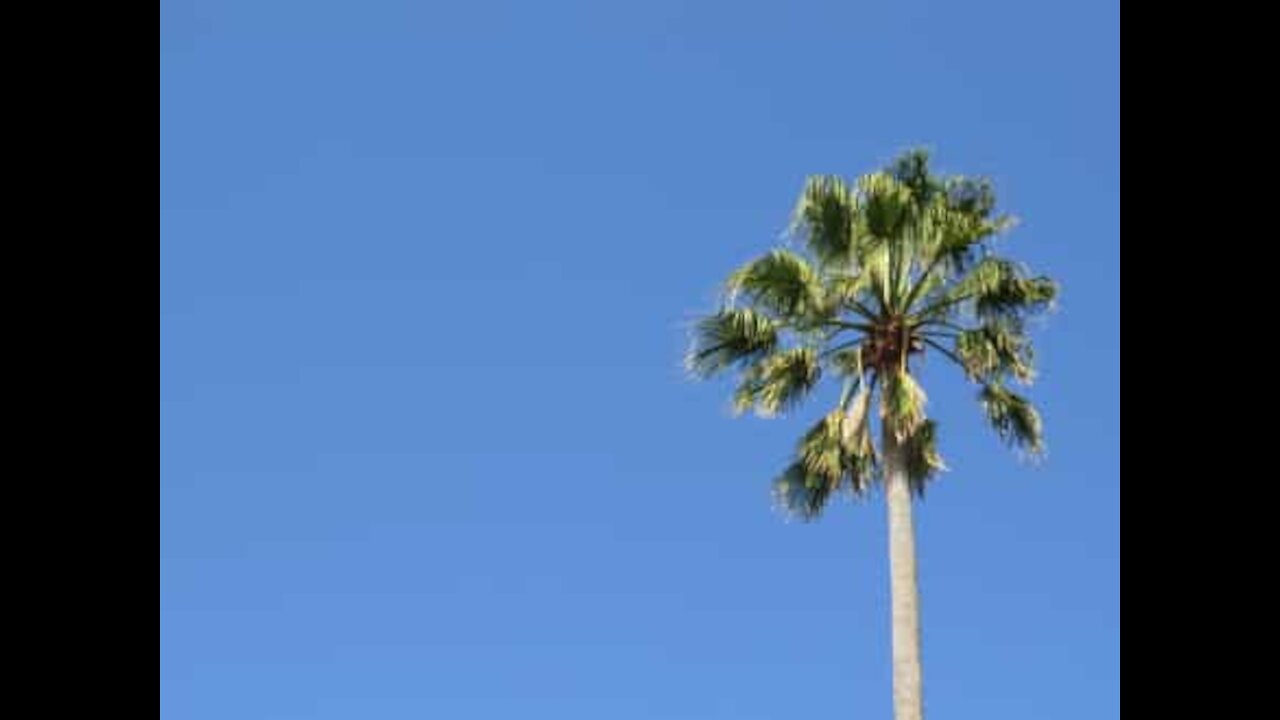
908 690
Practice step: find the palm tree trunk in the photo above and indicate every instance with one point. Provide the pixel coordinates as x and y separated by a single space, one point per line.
908 691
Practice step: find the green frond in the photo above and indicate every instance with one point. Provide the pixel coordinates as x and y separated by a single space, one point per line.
903 404
821 450
989 274
838 451
956 236
848 291
860 451
1016 297
997 349
1001 288
781 283
886 206
1014 418
971 196
923 461
801 495
824 219
911 169
731 338
932 278
778 382
877 268
994 288
747 394
948 224
891 221
945 245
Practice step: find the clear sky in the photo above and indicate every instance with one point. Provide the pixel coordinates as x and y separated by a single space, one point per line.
426 450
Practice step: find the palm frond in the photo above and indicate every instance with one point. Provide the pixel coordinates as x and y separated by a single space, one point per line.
944 246
824 219
848 292
801 495
903 404
996 288
731 338
1016 297
861 461
996 349
876 260
838 448
821 450
781 283
923 461
911 169
955 237
886 206
778 382
1014 418
971 196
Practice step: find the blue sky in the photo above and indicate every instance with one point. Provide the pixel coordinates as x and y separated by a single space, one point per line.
426 450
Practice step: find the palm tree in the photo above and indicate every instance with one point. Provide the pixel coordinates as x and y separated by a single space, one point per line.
880 273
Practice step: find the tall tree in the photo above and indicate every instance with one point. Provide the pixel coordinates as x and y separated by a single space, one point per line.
881 271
